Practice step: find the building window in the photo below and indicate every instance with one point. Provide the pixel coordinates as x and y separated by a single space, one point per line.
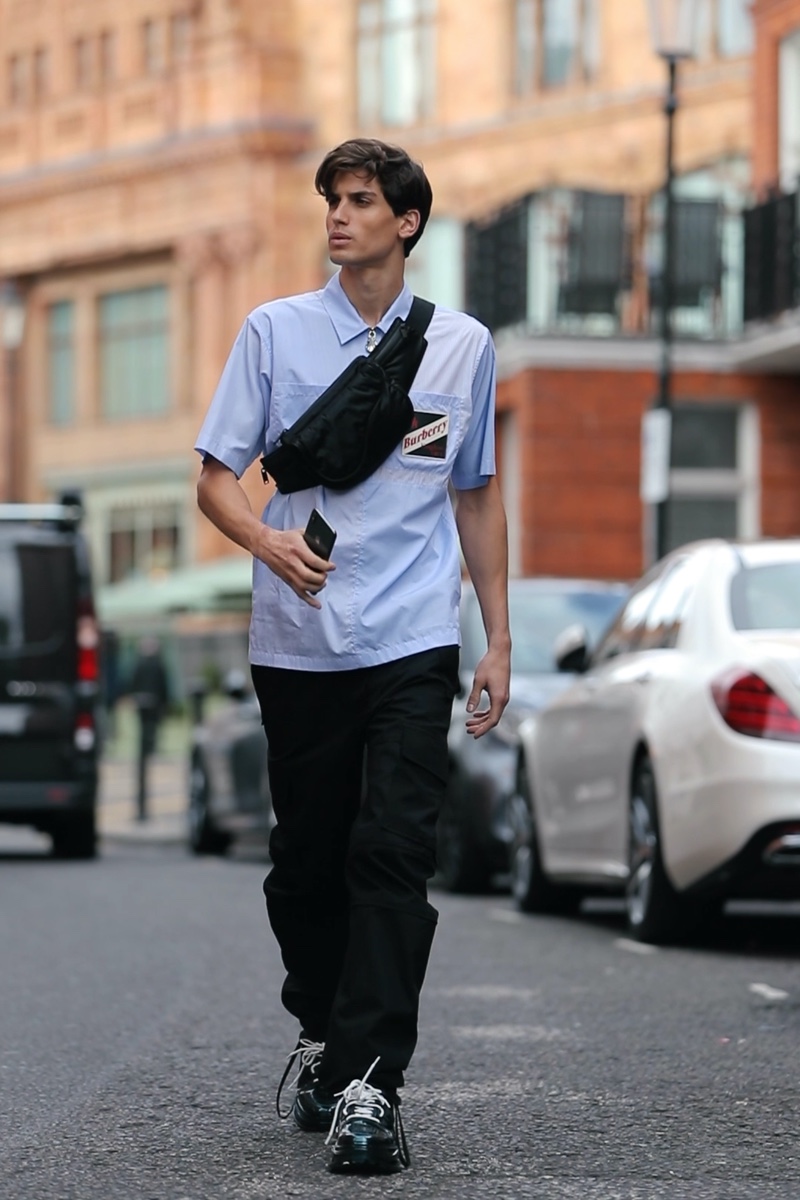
144 541
134 352
152 47
16 80
41 73
108 56
82 63
724 29
789 111
61 361
180 37
714 473
396 61
557 42
435 267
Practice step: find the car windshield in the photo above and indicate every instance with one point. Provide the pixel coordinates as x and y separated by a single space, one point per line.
537 618
766 597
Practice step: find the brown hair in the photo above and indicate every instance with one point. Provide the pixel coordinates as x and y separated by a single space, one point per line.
402 181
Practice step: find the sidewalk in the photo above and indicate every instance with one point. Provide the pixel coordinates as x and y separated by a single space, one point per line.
166 807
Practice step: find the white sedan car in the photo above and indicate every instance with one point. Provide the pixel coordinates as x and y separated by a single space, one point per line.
670 769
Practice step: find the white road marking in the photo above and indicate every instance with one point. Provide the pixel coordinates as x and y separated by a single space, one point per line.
634 947
505 914
487 991
768 993
528 1033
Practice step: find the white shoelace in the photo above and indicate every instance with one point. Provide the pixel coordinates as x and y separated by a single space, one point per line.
306 1054
360 1099
367 1103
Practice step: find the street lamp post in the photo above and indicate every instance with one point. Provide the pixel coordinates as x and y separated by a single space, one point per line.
12 328
672 24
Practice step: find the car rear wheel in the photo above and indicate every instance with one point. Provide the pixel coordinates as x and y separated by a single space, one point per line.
461 861
531 888
654 909
204 837
75 837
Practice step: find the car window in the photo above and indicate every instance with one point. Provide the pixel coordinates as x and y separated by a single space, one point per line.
664 617
766 597
37 610
623 636
537 617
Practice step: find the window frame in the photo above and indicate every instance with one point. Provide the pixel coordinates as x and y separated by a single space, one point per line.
124 335
373 36
740 483
529 79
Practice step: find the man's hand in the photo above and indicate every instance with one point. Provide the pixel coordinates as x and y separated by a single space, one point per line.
492 675
223 500
289 556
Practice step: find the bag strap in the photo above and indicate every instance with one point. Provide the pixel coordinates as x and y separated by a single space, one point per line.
419 317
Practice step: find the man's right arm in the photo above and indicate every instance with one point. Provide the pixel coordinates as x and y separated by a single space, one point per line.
223 500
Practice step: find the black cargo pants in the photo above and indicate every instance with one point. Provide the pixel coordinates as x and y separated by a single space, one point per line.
358 767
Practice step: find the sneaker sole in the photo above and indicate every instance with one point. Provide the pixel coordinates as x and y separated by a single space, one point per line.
365 1158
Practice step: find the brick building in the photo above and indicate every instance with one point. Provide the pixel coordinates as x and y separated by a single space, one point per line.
155 184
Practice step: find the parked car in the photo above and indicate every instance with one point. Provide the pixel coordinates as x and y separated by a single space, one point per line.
229 795
474 832
49 672
669 770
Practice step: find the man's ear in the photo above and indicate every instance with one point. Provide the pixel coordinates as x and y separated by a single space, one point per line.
409 223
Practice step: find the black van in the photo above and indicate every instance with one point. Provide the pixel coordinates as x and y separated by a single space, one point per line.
49 675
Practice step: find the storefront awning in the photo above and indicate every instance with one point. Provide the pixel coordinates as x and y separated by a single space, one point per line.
221 585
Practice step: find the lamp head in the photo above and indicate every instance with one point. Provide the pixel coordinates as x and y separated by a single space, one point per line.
673 26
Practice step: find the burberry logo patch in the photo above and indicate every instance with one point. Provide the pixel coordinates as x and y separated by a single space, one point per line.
427 437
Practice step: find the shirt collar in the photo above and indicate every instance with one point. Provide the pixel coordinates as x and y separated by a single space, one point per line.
347 320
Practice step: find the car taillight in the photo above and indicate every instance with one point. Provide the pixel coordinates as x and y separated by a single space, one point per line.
85 734
749 705
88 640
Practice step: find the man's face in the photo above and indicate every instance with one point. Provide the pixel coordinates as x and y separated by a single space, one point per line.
362 229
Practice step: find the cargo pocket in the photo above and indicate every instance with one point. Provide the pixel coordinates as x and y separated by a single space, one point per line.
413 796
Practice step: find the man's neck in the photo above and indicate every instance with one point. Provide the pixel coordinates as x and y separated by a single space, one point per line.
371 292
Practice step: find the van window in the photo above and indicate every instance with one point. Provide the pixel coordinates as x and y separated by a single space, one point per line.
37 611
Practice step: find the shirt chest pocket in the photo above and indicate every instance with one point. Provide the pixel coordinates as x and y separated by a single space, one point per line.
289 401
428 450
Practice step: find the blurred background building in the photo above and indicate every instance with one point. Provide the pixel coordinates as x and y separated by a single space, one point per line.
156 167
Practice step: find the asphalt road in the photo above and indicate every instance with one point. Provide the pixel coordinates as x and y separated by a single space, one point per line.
141 1040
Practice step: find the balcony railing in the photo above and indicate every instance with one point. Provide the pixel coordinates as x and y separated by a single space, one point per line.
588 263
771 257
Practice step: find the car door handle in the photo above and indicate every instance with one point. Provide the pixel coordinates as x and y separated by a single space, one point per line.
646 678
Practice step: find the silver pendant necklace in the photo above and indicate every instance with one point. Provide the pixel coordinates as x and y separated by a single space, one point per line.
371 340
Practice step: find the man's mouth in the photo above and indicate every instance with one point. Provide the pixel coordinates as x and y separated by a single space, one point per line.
339 237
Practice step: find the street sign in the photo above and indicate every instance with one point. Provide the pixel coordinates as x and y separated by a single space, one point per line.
656 440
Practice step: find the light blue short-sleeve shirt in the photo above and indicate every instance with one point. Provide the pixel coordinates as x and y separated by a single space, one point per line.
396 587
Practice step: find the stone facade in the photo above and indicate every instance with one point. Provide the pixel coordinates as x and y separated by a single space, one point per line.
173 143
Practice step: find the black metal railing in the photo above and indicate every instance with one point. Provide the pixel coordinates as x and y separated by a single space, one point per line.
582 262
771 251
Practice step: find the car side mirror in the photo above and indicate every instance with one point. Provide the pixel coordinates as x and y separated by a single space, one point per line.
571 649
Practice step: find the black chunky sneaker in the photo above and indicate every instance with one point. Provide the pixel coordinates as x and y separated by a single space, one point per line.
367 1133
313 1106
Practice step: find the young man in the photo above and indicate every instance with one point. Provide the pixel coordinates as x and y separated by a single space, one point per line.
355 660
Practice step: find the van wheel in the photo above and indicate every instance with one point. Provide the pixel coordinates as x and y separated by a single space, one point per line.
75 837
654 909
204 837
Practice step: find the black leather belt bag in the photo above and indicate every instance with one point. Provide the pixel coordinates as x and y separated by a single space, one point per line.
356 423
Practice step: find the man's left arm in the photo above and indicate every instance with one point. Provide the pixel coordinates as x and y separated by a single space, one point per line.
481 522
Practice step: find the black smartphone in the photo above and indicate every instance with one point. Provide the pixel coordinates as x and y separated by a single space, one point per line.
319 535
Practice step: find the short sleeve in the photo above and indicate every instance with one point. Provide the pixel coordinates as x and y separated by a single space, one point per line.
234 428
475 462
